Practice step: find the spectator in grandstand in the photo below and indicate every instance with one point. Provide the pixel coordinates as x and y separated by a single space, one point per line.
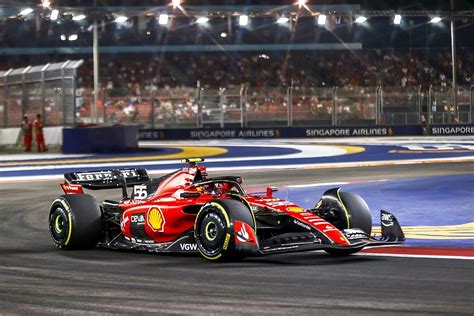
79 99
131 111
39 136
27 131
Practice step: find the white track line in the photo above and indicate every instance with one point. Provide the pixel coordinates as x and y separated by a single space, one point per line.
33 157
270 166
305 151
414 256
239 168
309 185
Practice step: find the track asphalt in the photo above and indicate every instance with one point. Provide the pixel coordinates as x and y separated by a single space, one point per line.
35 277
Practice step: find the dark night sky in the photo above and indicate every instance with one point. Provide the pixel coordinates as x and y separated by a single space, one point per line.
365 4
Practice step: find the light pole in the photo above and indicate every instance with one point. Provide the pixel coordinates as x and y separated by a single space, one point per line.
454 60
95 58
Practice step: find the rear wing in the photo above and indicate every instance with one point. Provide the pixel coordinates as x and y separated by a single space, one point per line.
108 179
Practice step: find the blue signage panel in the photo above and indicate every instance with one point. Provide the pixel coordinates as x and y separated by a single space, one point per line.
280 132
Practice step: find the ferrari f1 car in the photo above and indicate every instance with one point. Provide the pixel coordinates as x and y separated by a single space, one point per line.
187 211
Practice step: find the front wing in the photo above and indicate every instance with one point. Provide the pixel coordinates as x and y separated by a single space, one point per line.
392 234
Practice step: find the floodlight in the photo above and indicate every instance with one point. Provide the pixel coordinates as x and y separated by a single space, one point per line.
120 19
360 19
243 20
73 37
63 37
163 19
321 19
224 34
436 19
175 3
397 19
282 20
54 15
301 2
45 3
26 11
79 17
202 20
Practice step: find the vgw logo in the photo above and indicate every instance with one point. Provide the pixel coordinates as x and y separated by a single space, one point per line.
387 219
188 247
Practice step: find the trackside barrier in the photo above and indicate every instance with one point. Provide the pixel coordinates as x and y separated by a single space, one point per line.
9 136
13 137
53 136
109 139
279 132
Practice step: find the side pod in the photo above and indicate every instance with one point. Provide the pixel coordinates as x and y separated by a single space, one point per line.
391 230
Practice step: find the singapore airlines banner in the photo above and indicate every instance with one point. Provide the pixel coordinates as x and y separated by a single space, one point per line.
280 132
446 130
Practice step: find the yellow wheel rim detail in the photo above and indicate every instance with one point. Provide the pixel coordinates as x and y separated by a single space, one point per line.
57 224
211 234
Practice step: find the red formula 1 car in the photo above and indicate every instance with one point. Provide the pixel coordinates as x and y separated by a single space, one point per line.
186 211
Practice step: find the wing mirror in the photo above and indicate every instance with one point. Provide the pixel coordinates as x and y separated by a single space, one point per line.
186 195
270 191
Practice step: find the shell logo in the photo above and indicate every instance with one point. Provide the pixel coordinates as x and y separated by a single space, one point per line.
295 209
156 219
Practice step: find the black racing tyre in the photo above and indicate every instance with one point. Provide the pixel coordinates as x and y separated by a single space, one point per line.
359 217
75 221
214 229
358 211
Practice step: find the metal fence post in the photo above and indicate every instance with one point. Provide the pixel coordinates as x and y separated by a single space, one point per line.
199 103
43 94
382 103
378 100
419 104
153 105
243 104
5 98
429 108
74 105
221 106
334 106
63 91
289 95
471 103
23 92
103 91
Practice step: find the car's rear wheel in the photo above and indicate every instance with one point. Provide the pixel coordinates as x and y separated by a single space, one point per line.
214 229
75 222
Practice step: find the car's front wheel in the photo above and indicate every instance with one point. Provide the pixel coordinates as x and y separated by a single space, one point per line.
214 229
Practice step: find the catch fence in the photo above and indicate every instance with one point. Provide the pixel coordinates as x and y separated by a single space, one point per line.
48 89
279 107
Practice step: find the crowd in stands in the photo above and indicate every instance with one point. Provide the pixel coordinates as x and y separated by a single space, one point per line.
265 70
133 83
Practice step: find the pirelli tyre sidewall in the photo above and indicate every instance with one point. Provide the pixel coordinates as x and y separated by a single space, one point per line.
75 221
358 211
358 217
214 229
